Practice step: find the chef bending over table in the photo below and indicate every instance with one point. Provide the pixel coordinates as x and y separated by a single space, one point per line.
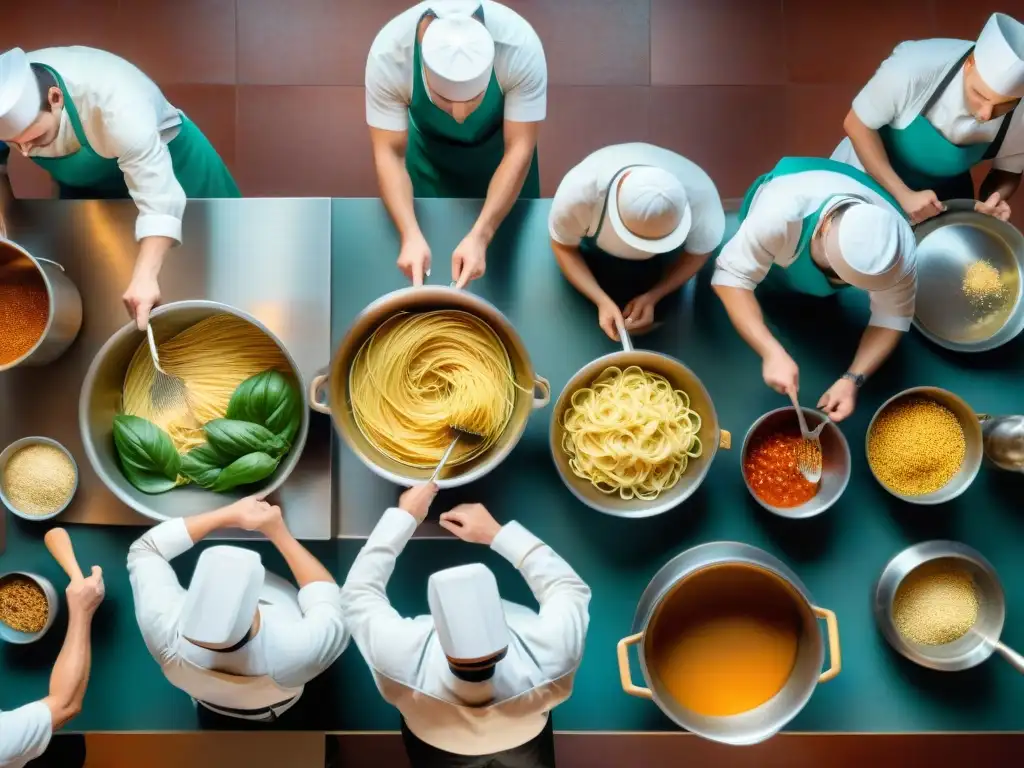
240 641
817 226
475 681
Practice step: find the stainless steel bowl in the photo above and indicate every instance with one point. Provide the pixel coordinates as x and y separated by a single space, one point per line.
681 377
10 635
835 460
12 449
946 246
100 401
962 480
971 649
335 401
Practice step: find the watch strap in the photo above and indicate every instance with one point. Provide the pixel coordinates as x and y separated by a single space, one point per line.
857 378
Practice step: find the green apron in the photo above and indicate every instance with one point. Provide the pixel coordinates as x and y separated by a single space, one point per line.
446 158
803 275
925 159
85 175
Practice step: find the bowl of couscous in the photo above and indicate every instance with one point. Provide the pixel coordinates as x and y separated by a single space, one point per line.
924 445
38 478
28 607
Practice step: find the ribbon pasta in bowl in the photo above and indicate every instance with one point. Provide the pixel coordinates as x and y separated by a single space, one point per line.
634 432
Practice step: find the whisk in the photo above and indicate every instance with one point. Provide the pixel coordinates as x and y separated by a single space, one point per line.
167 393
808 458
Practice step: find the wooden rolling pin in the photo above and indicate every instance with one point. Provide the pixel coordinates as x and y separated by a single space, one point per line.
59 544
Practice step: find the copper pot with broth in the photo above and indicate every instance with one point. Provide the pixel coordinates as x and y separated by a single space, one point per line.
729 643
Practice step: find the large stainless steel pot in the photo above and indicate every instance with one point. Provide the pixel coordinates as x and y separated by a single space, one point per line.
100 401
711 436
768 719
425 299
1004 441
65 318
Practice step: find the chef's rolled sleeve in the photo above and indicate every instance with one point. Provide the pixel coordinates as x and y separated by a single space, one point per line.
24 733
386 106
763 238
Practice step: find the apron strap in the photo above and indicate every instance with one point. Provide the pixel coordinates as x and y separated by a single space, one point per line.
997 143
944 83
69 106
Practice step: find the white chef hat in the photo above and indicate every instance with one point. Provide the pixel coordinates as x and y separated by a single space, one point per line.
649 211
999 55
468 616
222 597
458 52
874 243
19 94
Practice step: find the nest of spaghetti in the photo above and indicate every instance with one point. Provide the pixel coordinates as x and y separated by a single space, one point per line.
631 433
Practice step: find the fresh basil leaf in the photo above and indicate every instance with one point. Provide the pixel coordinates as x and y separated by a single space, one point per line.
147 482
202 465
144 448
246 470
269 399
291 430
234 438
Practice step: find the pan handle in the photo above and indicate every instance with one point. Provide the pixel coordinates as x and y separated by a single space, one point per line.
627 343
834 655
625 676
541 384
315 390
724 439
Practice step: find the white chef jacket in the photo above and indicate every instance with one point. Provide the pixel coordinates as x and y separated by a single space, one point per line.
579 202
24 734
770 234
901 87
519 63
124 116
300 635
410 667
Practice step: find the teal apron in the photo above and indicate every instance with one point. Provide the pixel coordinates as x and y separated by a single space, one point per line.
804 275
84 175
925 159
623 279
449 159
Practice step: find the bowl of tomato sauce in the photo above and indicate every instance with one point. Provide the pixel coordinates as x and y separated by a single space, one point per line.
769 462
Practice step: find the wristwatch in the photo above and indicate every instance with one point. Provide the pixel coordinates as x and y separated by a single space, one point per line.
858 379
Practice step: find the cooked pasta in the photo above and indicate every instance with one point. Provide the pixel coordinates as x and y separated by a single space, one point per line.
213 357
420 374
630 433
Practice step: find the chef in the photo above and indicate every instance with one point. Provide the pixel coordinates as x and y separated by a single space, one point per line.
818 226
475 681
934 110
25 732
240 641
631 203
455 93
103 130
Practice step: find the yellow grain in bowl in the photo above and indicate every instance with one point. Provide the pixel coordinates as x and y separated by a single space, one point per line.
39 480
916 446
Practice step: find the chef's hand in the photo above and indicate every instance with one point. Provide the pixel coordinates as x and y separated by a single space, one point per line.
469 261
994 206
142 295
781 373
254 514
839 401
414 259
85 595
639 312
607 314
472 523
417 500
922 205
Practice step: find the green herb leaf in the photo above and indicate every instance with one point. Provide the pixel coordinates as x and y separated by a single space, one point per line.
248 469
234 438
270 399
147 482
203 465
144 448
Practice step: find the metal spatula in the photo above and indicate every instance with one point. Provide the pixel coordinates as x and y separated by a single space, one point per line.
460 433
808 460
168 393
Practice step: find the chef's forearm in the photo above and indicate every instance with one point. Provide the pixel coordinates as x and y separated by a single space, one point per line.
70 675
202 525
152 251
304 566
875 346
578 273
682 269
745 313
394 181
873 156
503 191
1002 182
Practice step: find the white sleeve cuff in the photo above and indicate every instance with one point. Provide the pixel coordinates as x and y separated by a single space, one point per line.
171 538
568 242
387 121
526 113
514 543
395 527
1010 164
729 280
894 322
25 733
320 593
158 225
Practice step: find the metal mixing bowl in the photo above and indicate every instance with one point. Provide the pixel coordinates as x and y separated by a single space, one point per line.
100 401
835 460
12 449
972 435
9 635
971 649
946 246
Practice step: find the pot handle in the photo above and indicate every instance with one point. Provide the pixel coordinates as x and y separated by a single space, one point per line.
724 439
50 261
541 384
834 655
624 675
315 388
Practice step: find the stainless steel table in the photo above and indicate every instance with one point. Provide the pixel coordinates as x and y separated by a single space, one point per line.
269 257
